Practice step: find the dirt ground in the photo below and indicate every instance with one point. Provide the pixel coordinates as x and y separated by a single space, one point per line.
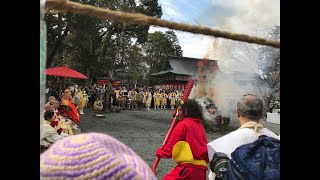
144 131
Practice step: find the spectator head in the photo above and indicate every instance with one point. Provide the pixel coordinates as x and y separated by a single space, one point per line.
191 108
49 115
250 107
51 98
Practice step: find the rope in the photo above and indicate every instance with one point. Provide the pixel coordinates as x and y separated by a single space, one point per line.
254 125
131 18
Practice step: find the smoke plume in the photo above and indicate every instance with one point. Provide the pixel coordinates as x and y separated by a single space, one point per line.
237 61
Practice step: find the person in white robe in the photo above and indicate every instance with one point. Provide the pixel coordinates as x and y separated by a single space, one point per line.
48 134
249 112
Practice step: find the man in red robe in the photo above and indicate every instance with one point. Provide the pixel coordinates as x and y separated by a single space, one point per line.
187 145
70 109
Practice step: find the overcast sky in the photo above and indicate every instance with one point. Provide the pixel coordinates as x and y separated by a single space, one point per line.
244 16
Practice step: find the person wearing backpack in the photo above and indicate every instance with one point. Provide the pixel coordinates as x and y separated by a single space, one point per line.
257 160
249 112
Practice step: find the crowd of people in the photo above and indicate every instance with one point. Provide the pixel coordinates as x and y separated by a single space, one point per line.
61 114
123 97
64 106
250 152
145 97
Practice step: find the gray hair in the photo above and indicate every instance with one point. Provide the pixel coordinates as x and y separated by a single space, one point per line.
51 98
250 107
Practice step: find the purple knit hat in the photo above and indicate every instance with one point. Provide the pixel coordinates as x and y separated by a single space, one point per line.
92 156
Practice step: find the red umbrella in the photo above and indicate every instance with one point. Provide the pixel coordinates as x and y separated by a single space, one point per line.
64 71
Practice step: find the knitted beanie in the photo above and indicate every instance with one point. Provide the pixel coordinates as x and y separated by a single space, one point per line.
92 156
257 160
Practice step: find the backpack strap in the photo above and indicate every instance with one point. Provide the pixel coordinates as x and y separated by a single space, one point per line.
262 136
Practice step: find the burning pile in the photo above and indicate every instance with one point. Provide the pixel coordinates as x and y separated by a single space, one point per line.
204 93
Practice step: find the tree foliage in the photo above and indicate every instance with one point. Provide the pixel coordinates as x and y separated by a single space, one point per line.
264 60
269 61
157 49
95 46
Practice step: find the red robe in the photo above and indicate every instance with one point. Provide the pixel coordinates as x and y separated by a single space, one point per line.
72 113
191 131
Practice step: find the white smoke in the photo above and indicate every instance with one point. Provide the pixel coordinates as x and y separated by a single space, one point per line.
225 90
253 17
237 60
202 101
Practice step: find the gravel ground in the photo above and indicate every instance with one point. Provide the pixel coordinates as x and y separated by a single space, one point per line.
144 131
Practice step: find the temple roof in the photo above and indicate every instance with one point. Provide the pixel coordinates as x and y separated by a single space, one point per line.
184 66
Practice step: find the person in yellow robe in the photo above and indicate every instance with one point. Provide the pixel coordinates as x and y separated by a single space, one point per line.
156 97
131 98
178 98
82 102
85 97
172 98
120 98
148 98
164 97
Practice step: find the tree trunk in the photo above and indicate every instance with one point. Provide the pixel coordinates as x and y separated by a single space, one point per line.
109 88
122 45
88 75
107 97
57 45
